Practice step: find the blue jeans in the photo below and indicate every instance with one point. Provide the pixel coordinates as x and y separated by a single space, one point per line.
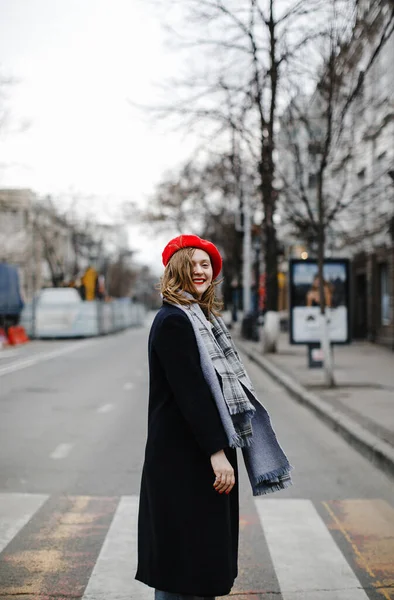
169 596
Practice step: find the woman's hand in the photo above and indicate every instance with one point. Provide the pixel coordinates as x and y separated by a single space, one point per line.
225 478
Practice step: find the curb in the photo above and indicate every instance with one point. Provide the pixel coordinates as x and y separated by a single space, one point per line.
379 452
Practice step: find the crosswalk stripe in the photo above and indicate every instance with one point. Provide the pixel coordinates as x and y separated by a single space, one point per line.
113 574
87 547
15 511
54 554
307 561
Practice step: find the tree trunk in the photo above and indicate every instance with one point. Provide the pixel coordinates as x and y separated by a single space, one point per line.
324 330
271 262
269 198
271 325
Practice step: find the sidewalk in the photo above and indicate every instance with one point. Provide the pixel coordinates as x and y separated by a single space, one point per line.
361 407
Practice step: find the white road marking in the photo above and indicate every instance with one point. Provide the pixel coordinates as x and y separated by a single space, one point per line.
128 386
15 511
105 408
308 563
113 574
61 451
33 360
8 353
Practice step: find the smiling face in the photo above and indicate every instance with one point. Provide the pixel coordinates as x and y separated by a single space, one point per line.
201 271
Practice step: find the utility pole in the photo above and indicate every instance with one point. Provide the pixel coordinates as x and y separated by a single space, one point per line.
247 257
244 226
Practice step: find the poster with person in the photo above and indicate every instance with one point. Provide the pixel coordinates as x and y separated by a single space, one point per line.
305 300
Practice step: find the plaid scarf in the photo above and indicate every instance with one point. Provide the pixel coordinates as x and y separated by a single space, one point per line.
266 463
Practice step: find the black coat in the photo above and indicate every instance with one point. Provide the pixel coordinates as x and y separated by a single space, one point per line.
187 532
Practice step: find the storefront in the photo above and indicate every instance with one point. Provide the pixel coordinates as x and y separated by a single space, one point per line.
372 293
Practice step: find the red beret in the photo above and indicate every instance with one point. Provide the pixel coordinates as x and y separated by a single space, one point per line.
193 241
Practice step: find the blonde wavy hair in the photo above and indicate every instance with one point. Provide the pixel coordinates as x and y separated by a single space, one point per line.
177 278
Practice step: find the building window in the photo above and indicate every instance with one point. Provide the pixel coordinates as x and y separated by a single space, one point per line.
385 316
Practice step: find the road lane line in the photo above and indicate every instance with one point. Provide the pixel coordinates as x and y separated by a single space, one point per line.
308 563
105 408
15 511
114 571
61 451
28 362
8 353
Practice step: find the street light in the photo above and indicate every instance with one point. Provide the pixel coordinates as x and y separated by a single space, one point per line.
256 245
250 329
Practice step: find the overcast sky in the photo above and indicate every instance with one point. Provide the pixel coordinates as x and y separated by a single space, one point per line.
76 64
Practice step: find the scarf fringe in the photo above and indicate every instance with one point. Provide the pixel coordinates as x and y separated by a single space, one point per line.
237 441
259 491
268 483
276 474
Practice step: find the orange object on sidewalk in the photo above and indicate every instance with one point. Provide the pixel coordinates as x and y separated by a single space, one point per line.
17 335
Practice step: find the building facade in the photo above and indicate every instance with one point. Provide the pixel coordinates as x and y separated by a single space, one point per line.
34 239
18 244
360 179
367 232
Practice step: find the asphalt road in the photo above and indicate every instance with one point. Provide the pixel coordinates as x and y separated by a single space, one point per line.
72 430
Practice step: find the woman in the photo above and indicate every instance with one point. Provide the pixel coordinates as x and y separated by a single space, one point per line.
188 516
313 294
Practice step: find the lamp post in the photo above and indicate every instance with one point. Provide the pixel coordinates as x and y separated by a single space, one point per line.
246 279
257 250
250 329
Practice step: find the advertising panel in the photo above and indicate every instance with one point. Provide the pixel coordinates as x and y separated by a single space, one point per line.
305 301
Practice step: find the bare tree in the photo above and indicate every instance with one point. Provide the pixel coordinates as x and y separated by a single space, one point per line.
319 132
201 197
120 279
145 288
248 54
52 230
68 242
